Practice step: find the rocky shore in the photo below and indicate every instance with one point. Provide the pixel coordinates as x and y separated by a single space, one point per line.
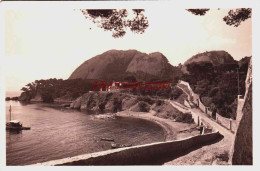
114 102
108 105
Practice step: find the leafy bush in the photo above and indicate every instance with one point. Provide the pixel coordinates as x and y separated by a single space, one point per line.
102 106
47 97
144 107
117 105
223 156
147 99
213 91
185 117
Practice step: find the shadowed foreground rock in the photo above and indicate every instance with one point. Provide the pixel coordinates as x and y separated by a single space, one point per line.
242 151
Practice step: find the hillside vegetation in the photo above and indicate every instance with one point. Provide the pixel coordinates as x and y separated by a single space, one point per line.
50 89
214 57
217 84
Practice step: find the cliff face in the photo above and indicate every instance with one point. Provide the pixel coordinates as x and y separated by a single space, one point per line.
118 64
242 152
113 62
154 64
214 57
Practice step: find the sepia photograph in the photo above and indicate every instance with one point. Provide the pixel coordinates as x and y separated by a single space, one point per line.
111 85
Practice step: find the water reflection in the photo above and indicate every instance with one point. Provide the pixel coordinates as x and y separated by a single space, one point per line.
13 131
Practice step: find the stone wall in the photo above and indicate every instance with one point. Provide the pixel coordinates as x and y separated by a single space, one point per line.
242 151
240 104
142 154
226 122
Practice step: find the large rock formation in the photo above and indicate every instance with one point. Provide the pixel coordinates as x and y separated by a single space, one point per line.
242 153
119 64
214 57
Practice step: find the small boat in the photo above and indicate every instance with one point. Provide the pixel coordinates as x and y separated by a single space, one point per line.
114 145
14 124
107 139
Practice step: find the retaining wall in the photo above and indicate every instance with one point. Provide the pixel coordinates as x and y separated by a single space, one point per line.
142 154
240 104
201 105
226 122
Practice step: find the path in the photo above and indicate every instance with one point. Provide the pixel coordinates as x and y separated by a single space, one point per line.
205 155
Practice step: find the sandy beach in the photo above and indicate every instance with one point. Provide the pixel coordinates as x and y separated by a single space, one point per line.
173 130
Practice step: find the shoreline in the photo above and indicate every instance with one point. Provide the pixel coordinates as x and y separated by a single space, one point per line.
172 130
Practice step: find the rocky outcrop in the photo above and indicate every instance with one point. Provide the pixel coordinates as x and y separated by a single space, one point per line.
112 102
155 64
121 64
103 102
76 104
242 152
214 57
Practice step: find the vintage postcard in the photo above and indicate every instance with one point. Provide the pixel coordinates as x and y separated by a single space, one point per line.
129 83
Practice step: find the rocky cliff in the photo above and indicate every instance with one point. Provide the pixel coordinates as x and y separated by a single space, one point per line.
118 64
242 152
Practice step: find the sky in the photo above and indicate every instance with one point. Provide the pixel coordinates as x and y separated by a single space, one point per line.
43 44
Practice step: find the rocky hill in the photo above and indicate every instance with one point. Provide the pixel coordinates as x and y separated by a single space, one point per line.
119 64
214 57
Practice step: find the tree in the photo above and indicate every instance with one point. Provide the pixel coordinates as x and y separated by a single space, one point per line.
117 21
234 17
198 11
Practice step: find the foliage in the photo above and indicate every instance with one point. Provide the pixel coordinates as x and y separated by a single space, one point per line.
198 11
223 156
117 105
143 106
116 20
11 98
102 106
234 17
164 93
184 117
218 85
147 99
55 88
47 97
